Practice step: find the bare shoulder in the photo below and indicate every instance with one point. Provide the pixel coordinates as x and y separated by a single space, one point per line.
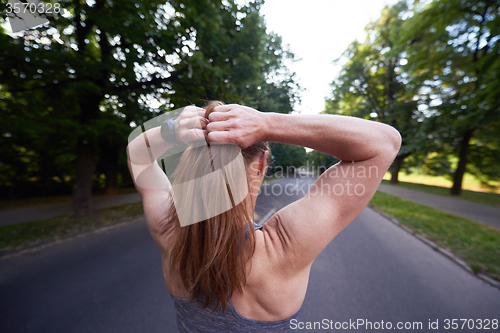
297 233
280 242
275 293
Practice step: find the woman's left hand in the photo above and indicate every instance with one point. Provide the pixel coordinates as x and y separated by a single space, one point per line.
191 125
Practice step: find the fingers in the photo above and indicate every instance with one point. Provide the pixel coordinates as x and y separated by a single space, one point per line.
220 112
219 116
225 107
204 122
198 122
194 122
199 134
194 117
193 135
218 126
192 111
223 136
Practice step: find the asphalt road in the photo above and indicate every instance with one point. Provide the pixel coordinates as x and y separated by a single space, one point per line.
112 281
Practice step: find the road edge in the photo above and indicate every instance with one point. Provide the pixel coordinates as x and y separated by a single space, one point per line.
42 245
451 256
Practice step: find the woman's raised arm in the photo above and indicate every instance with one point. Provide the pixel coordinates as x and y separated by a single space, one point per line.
366 149
149 179
347 138
143 150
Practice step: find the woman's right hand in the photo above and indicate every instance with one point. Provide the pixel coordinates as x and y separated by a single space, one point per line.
236 124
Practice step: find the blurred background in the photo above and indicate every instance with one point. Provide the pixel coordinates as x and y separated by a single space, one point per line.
76 81
72 89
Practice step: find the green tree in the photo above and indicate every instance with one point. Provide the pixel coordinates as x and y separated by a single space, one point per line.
287 157
70 91
78 61
453 47
374 84
319 162
235 61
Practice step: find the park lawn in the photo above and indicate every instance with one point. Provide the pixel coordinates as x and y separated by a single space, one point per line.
469 183
37 232
492 199
35 201
268 179
54 199
475 243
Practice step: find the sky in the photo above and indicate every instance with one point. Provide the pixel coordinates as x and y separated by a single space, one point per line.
318 32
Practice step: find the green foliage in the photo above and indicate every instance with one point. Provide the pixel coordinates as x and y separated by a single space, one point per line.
319 162
437 165
235 61
453 51
287 156
432 70
90 76
374 83
485 155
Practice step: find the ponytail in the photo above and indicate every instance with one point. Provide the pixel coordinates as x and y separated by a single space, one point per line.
211 255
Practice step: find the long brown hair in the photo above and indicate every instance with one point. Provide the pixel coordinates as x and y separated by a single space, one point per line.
209 255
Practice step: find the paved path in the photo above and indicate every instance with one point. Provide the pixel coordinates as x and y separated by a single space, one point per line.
471 210
47 211
112 281
474 211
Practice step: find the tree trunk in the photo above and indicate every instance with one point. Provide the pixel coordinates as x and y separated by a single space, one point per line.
456 189
82 189
110 154
85 164
112 180
395 168
88 101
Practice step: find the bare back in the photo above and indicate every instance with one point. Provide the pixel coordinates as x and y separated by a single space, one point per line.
267 294
278 272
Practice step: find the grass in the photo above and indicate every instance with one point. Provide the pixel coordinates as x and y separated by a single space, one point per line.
38 201
492 199
476 243
470 182
29 202
269 179
31 233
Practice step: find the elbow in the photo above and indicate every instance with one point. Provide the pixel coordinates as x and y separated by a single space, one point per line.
396 139
393 140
